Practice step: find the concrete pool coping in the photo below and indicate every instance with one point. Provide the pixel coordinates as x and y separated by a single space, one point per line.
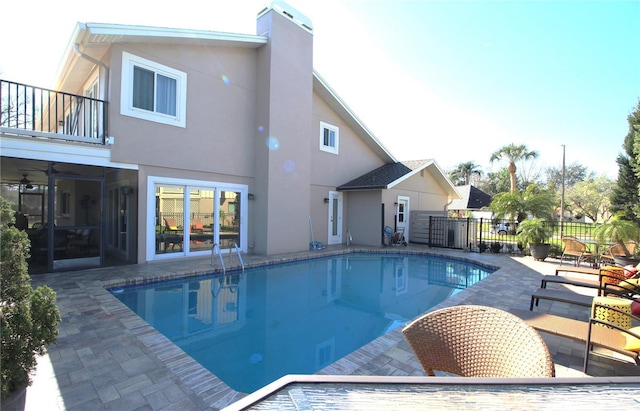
108 357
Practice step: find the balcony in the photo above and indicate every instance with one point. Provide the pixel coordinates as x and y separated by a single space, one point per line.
35 112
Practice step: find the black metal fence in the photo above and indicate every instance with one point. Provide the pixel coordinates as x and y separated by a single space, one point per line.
491 235
52 114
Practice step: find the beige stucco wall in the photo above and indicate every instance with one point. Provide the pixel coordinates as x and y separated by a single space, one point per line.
219 116
354 158
364 217
424 191
285 83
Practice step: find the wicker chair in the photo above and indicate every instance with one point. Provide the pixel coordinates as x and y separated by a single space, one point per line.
576 249
478 341
617 250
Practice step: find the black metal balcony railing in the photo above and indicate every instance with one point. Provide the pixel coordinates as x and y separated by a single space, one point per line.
38 112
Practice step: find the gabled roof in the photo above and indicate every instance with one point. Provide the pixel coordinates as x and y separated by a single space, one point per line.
472 199
392 174
330 97
94 39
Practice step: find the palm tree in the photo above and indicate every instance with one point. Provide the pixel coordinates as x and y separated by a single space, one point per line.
513 153
464 171
535 201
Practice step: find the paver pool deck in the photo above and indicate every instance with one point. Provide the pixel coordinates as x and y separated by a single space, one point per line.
107 357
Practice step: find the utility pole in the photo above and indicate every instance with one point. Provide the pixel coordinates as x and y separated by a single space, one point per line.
562 197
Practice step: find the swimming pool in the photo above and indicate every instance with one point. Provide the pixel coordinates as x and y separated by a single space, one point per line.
251 328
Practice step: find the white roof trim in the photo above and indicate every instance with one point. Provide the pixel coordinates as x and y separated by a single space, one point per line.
357 123
37 149
440 176
105 33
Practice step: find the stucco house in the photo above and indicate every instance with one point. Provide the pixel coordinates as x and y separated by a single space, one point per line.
157 143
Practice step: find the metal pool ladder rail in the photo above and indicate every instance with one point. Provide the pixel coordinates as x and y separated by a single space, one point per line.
235 245
213 248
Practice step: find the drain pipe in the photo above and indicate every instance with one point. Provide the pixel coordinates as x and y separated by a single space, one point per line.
76 49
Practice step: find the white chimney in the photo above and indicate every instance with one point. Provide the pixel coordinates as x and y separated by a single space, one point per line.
288 11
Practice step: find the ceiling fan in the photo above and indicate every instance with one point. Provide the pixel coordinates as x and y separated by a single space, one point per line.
54 171
44 170
26 182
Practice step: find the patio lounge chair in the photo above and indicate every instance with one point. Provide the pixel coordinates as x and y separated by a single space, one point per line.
606 275
560 296
617 251
579 270
576 249
197 226
170 225
614 339
478 341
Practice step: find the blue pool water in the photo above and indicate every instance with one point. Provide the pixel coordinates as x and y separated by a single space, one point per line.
252 328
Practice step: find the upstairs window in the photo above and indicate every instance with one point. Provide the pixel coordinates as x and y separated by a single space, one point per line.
329 138
152 91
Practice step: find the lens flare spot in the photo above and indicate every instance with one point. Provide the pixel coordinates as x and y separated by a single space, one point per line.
289 166
226 80
273 143
261 129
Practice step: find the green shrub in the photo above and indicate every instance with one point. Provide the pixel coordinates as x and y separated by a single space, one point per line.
555 251
496 247
28 318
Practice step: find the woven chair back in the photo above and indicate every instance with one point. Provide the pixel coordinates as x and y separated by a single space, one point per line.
572 245
478 341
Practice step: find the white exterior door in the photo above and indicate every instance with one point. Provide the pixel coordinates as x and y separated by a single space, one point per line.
335 218
402 216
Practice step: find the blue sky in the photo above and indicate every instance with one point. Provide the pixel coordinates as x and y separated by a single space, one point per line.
448 80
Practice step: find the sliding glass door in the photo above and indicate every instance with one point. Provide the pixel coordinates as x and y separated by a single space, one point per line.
190 218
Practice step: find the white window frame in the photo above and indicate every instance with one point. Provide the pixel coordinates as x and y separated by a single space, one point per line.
187 185
328 148
129 61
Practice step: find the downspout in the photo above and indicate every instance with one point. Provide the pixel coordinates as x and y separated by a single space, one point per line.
446 208
76 49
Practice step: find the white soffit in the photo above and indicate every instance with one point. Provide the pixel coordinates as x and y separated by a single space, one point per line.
99 33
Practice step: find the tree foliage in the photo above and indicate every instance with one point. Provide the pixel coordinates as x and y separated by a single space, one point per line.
618 230
516 205
625 196
590 197
28 318
573 174
462 174
495 183
513 153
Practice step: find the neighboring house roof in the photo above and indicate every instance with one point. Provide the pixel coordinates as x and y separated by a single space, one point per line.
472 199
94 39
392 174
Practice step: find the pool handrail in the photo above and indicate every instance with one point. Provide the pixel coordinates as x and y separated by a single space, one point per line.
213 248
235 245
